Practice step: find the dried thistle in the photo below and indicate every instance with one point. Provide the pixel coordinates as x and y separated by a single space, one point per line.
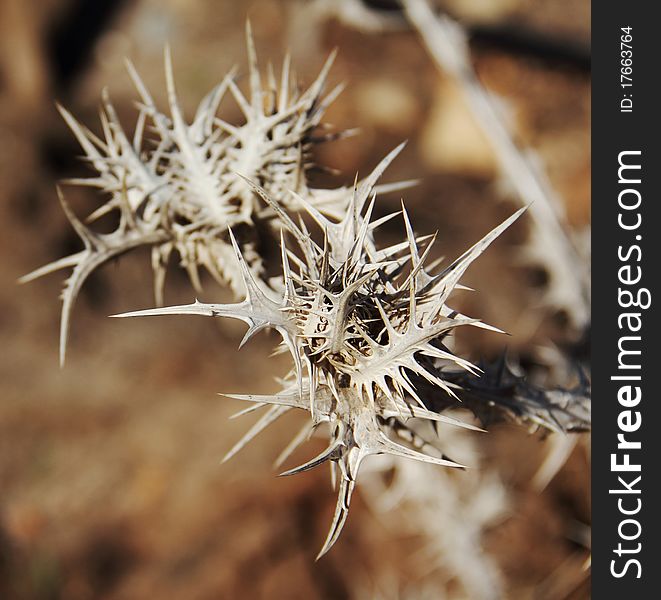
179 186
366 326
360 322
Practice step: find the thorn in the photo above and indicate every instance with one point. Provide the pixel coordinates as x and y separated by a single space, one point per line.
340 516
327 454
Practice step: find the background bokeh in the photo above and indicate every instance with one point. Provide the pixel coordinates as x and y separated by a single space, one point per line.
110 478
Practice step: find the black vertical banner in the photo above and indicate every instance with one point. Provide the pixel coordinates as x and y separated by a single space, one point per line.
626 268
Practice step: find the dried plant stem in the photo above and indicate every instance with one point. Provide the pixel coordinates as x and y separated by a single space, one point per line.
568 288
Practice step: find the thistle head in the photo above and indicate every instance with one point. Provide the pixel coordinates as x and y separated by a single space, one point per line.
363 324
179 186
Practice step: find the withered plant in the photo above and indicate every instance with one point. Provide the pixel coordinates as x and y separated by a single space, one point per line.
367 325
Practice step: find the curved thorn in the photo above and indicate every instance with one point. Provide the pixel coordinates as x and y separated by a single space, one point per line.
340 516
321 458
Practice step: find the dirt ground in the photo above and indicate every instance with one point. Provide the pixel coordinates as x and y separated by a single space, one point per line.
110 478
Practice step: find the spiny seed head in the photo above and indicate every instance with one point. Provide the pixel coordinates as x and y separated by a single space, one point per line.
363 325
180 186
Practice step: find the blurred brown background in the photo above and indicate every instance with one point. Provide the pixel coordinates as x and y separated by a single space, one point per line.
110 482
